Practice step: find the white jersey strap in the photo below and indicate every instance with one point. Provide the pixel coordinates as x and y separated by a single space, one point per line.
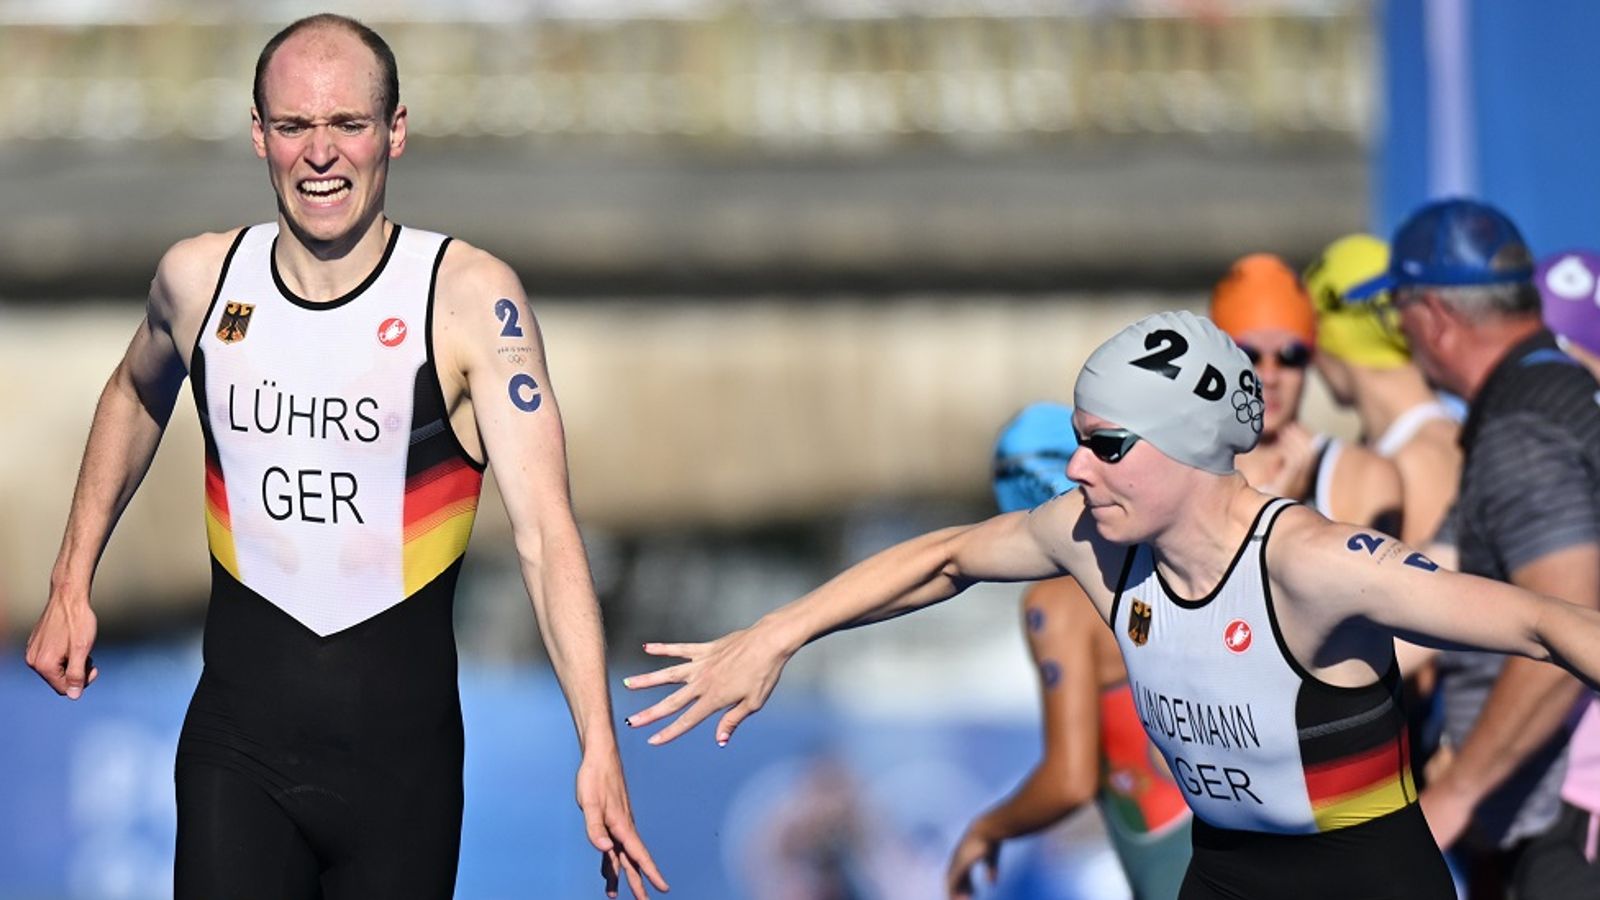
1330 449
1406 426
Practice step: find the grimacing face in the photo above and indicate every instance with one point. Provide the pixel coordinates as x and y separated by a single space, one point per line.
322 134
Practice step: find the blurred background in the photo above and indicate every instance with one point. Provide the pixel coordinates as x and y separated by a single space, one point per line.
795 262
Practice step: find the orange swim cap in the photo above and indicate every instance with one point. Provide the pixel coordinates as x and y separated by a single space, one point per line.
1261 291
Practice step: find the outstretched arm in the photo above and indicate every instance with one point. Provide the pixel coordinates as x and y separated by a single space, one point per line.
738 671
489 343
1061 628
1336 574
128 422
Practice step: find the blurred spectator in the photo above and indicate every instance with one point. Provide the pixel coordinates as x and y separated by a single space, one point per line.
1367 366
1570 863
1261 305
1461 281
1363 359
1095 747
815 844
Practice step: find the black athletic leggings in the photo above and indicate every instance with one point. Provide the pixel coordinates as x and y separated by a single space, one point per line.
321 768
236 840
1390 858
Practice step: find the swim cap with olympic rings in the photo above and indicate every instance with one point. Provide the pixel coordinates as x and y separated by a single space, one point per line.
1031 455
1178 382
1354 332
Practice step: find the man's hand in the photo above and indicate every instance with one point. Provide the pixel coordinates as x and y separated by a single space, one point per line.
59 647
737 670
973 847
608 817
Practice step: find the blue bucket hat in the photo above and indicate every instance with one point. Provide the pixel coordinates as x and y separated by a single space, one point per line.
1031 454
1451 243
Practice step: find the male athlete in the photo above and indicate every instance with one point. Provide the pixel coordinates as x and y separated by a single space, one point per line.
1261 305
1094 746
1527 512
1258 635
353 379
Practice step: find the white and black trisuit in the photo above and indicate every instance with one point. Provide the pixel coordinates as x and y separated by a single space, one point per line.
322 752
1299 788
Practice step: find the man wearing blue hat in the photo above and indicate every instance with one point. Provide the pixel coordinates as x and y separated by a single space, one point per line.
1528 513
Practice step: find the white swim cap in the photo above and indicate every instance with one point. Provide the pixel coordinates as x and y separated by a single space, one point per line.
1177 381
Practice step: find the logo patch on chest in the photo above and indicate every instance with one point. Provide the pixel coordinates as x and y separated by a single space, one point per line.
235 322
1237 636
1139 623
391 332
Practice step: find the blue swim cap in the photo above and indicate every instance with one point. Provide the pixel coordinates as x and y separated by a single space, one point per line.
1030 456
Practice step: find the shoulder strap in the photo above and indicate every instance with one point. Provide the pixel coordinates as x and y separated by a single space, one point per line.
1406 426
1322 496
1269 514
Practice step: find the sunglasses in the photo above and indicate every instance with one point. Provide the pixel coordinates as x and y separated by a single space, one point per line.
1294 355
1109 444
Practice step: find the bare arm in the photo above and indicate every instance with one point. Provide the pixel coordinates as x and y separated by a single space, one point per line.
500 367
1338 575
515 411
1061 627
739 670
1053 540
128 423
1338 578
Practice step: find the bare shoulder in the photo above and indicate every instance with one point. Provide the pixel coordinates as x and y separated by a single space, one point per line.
478 303
187 275
1300 527
468 275
1064 528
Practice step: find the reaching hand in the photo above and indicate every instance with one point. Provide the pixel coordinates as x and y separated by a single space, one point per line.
972 848
608 816
738 670
59 647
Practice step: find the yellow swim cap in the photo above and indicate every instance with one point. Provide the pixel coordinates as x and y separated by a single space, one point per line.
1354 332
